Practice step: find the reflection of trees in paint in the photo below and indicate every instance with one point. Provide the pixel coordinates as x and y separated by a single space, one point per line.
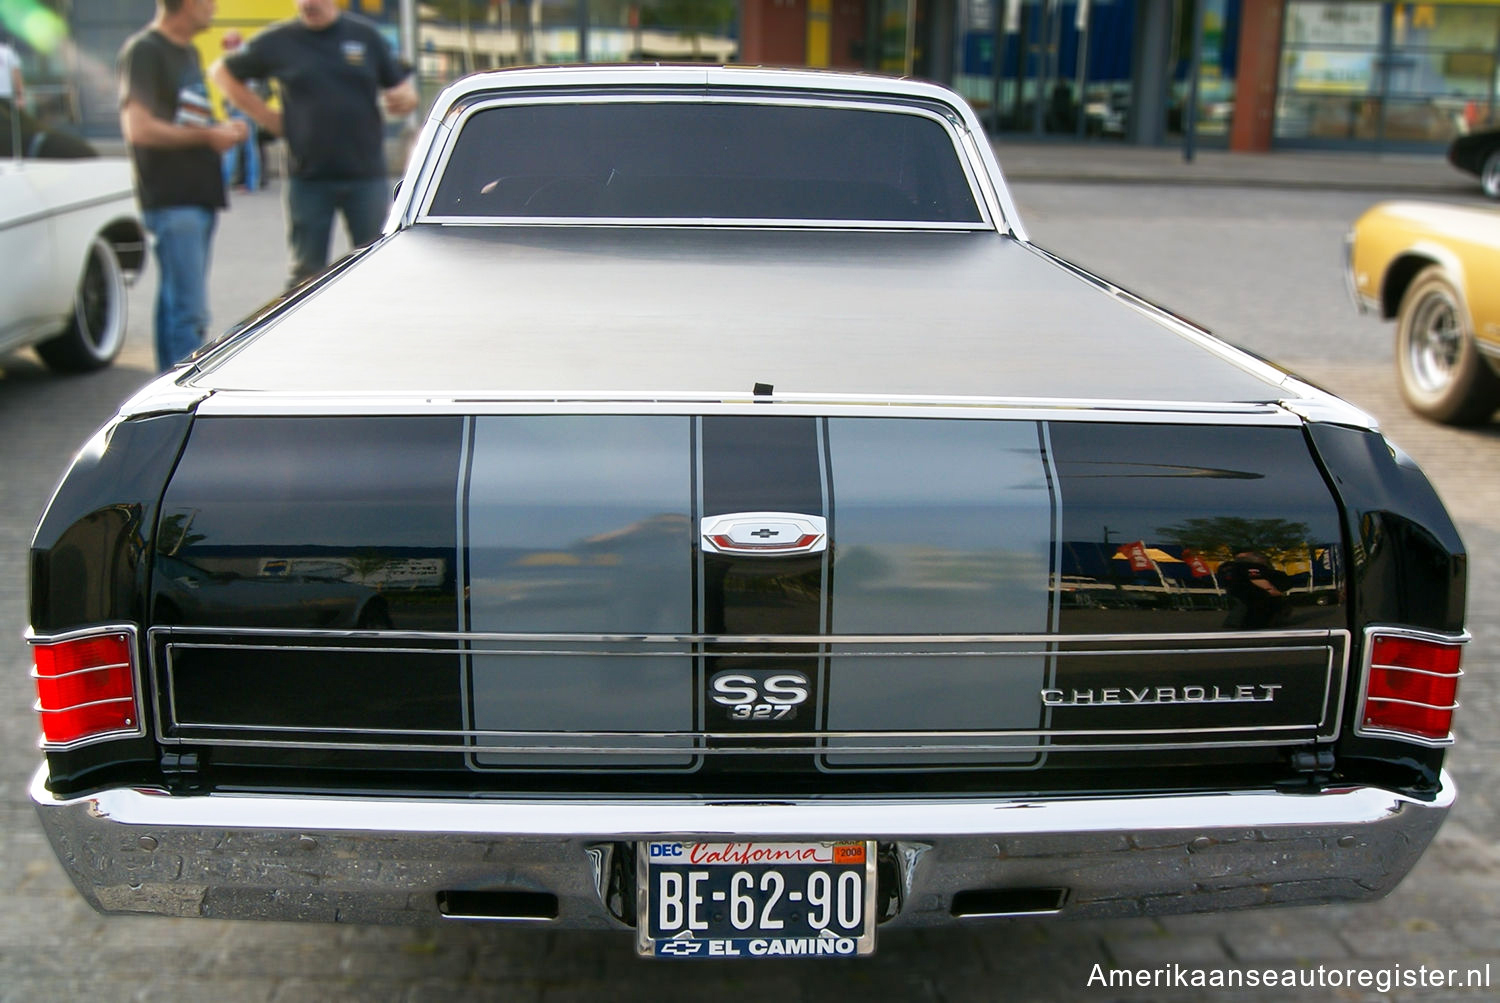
1219 537
175 532
364 564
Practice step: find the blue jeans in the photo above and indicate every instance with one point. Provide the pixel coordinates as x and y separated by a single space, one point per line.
310 206
250 150
183 236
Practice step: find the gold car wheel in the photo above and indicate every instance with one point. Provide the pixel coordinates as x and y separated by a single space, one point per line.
1442 375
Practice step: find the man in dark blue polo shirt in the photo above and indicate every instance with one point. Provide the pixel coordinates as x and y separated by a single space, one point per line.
331 69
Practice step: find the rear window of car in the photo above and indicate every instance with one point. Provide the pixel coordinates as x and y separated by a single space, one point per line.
700 160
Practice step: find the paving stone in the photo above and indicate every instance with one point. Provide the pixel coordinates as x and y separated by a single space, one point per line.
301 989
1147 952
1277 946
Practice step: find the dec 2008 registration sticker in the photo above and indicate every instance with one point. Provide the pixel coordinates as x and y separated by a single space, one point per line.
756 900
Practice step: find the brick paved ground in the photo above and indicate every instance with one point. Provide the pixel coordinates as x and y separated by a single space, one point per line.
52 947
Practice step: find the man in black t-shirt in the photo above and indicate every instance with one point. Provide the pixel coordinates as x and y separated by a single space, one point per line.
331 68
175 145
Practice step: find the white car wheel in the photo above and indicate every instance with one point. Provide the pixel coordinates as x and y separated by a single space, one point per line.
96 331
1442 374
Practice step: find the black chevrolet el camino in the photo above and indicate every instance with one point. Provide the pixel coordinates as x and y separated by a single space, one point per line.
706 514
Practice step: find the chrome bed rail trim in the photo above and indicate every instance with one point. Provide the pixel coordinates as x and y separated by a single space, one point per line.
262 404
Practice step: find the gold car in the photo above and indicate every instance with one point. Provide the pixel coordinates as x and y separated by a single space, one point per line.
1436 269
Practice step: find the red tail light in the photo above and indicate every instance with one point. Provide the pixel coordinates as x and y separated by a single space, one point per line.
1411 687
85 685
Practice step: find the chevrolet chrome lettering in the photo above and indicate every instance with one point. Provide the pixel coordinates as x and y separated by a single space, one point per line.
1126 695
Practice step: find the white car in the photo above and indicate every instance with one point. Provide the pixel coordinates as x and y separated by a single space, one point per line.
70 236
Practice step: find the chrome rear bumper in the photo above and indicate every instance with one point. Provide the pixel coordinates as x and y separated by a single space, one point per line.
391 860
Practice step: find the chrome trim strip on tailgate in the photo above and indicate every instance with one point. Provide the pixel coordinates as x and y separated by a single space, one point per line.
173 729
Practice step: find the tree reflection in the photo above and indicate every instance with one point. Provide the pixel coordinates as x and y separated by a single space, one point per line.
1220 537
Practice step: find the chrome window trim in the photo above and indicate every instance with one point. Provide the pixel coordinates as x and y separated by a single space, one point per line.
1367 656
729 77
163 684
137 689
792 99
700 222
996 194
433 137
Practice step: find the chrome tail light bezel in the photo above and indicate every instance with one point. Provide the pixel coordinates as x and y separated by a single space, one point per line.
1368 667
134 724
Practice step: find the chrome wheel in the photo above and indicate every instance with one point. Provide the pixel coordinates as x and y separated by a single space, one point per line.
1443 376
96 331
1435 341
1489 175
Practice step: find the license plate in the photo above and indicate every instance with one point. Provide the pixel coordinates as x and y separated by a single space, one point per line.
755 900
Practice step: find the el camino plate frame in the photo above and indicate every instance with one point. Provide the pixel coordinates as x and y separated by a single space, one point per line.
780 880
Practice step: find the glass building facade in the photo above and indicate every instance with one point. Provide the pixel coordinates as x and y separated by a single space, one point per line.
1354 74
1388 74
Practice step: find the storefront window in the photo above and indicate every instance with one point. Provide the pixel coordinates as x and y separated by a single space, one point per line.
1386 73
1216 69
462 36
668 30
1329 84
1441 68
1048 66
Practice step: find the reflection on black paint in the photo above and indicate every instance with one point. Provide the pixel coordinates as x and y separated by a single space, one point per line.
1189 555
335 523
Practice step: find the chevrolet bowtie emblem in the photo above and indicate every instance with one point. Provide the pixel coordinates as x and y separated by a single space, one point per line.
764 534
